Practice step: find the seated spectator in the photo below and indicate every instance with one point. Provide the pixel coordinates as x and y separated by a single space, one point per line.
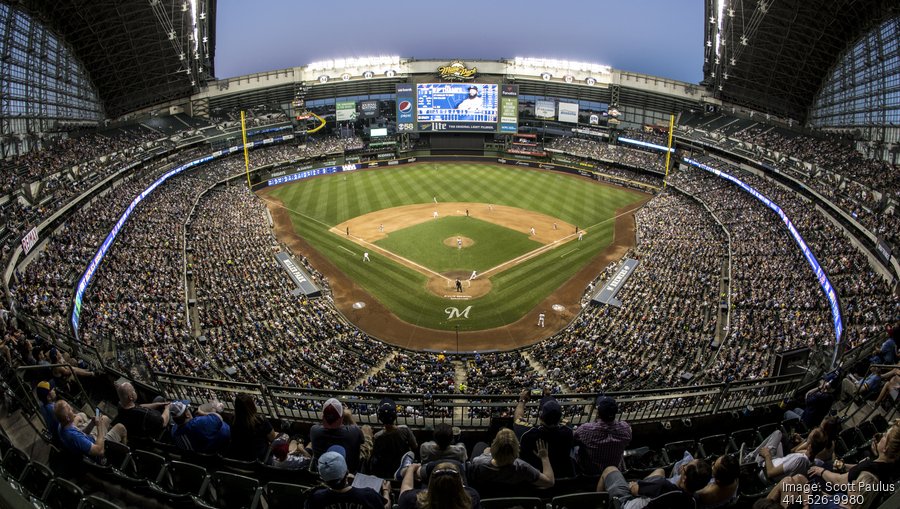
831 428
722 489
893 378
884 466
289 454
887 352
602 443
392 443
445 490
338 490
817 404
91 442
143 422
694 475
441 447
775 464
559 439
251 433
500 464
206 433
46 396
332 431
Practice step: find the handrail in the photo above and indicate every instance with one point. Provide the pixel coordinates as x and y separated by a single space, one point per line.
303 404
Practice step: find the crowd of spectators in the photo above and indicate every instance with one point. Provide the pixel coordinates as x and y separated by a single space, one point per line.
865 295
776 302
86 154
865 188
44 289
668 307
602 151
312 149
250 318
251 322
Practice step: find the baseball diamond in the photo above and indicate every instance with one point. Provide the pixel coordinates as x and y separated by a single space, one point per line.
402 216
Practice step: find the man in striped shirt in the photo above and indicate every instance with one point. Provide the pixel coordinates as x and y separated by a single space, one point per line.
602 443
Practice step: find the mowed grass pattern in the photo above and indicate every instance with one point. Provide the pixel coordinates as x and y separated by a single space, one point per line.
322 202
424 244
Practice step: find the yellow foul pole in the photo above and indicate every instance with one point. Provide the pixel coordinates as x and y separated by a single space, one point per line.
669 148
246 153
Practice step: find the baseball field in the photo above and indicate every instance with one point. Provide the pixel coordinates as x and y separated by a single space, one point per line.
423 227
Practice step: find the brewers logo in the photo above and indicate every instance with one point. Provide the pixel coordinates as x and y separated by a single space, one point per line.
456 71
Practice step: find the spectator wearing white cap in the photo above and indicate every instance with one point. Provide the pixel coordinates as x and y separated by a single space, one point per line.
206 433
332 431
338 490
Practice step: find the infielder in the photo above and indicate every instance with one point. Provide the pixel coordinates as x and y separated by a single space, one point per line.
366 256
541 320
532 231
434 215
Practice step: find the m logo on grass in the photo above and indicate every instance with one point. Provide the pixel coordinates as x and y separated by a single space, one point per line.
456 313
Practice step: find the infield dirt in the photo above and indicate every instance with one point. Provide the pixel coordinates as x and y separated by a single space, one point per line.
369 228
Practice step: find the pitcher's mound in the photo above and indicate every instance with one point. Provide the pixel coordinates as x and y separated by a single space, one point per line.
446 286
454 242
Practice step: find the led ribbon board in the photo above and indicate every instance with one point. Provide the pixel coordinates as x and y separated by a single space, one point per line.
85 280
645 144
824 282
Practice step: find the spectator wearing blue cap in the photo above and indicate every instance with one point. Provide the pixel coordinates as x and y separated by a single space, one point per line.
559 438
338 490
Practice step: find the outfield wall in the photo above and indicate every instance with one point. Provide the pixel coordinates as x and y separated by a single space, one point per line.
285 176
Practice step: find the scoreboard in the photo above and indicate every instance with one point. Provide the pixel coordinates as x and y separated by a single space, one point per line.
459 107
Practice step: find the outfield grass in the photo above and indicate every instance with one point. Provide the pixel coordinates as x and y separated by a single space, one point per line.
424 244
320 203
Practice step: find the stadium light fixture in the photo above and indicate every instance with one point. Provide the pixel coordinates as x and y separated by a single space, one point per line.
563 65
720 10
354 63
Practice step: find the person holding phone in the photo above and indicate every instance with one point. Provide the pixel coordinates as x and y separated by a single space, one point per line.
91 442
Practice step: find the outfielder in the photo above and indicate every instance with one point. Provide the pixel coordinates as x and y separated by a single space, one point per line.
366 256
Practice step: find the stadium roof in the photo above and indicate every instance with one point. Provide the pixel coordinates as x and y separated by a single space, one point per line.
137 52
774 55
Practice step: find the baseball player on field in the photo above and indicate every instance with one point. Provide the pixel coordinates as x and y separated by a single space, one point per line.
366 256
541 320
474 275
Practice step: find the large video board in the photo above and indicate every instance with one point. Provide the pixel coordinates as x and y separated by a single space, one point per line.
456 106
473 107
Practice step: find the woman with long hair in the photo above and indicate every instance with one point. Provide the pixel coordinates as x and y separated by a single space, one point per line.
445 490
251 433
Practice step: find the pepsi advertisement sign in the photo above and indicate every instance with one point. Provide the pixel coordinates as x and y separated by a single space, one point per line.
406 98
